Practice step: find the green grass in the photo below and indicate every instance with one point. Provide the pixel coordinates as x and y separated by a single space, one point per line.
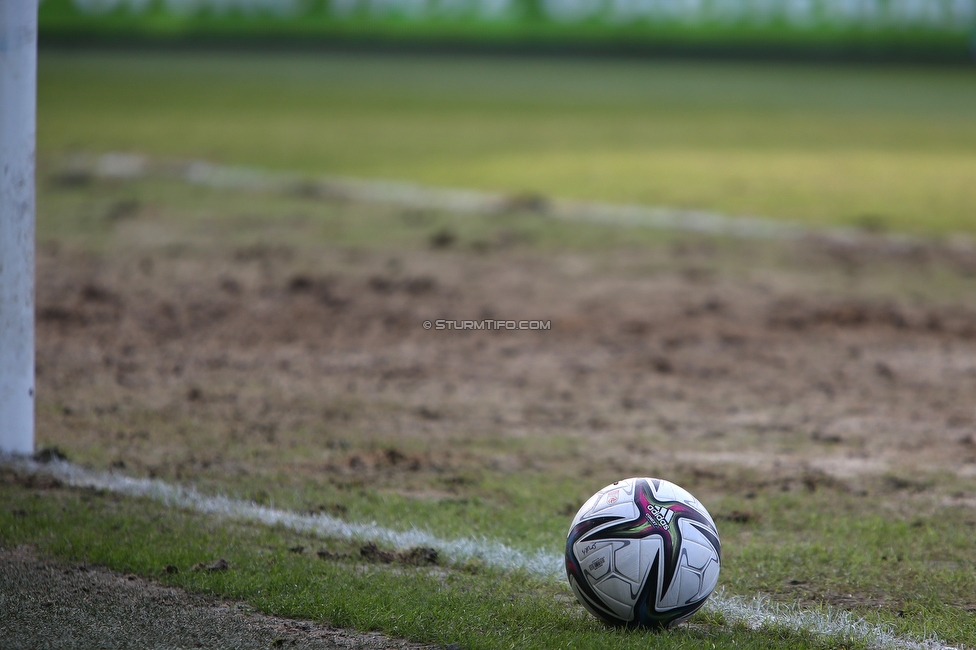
197 219
922 568
203 217
894 147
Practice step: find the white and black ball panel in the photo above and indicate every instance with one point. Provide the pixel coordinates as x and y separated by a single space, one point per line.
630 563
598 563
615 500
699 555
643 552
667 491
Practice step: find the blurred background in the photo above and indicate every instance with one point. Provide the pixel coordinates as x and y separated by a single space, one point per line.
828 112
886 29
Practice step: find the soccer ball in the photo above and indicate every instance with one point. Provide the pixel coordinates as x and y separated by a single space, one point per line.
643 552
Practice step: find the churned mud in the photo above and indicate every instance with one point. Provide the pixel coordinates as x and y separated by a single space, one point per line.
180 360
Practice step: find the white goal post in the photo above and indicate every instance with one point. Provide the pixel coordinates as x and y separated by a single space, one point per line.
18 103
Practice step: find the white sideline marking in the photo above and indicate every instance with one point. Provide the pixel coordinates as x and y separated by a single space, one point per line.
492 553
124 166
754 613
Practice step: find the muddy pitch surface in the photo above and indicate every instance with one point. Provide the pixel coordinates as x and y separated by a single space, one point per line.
181 361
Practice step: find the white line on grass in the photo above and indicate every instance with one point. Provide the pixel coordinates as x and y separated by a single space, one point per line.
122 166
754 613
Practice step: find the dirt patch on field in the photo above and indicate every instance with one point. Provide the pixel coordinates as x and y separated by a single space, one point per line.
178 361
48 604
